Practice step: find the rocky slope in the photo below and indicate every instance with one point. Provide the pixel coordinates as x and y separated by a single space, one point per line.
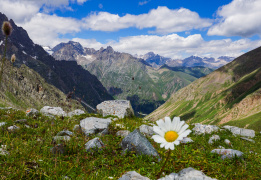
230 94
127 77
66 76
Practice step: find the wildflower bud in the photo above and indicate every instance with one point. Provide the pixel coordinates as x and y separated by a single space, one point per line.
7 28
13 58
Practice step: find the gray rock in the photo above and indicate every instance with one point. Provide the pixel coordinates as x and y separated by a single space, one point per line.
6 108
146 130
58 149
77 128
213 138
123 133
135 141
32 112
204 129
21 121
64 133
132 175
240 131
2 123
3 150
13 128
228 142
247 139
76 112
65 177
94 144
120 108
93 125
53 111
60 139
186 140
187 174
228 153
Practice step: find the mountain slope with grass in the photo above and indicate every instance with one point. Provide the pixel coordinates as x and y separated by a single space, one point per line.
229 95
67 76
128 77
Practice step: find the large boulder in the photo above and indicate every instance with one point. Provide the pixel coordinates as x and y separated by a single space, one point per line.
137 142
240 131
55 111
187 174
93 125
120 108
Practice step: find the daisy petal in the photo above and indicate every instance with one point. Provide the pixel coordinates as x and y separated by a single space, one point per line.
158 139
171 146
157 130
163 144
183 128
167 146
175 123
168 124
176 142
161 124
180 125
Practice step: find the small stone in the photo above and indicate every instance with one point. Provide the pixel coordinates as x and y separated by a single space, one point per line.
204 129
76 112
65 133
240 131
2 123
93 125
94 144
53 111
133 175
247 139
186 140
13 128
228 142
228 153
123 133
146 130
213 138
32 112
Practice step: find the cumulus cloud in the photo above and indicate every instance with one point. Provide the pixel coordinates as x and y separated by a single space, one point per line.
163 19
239 18
45 29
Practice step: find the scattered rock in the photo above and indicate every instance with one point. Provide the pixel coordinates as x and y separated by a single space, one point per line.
94 144
120 125
133 175
221 147
213 138
76 112
228 153
2 123
93 125
6 108
240 131
146 130
247 139
186 140
228 142
64 133
187 174
3 150
120 108
60 139
123 133
58 149
32 112
204 129
55 111
135 141
13 128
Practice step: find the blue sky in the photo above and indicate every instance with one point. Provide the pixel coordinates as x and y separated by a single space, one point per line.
171 28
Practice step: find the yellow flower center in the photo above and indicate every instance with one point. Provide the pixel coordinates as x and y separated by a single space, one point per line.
171 136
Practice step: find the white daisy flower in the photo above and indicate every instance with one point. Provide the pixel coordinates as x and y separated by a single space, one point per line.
170 133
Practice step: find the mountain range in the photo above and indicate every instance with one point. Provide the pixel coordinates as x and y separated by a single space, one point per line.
67 76
157 61
128 77
229 95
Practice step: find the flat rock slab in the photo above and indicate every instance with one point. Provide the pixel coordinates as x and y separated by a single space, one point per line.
76 112
120 108
204 129
55 111
240 131
132 175
93 125
187 174
186 140
137 142
94 144
228 153
65 133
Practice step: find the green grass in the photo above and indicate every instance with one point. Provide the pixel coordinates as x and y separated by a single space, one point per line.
26 152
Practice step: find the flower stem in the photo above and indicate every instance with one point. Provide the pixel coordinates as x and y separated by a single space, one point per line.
158 176
3 61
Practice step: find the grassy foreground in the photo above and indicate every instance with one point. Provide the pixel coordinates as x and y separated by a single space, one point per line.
30 156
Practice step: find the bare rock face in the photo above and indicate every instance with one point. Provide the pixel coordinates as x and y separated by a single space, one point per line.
120 108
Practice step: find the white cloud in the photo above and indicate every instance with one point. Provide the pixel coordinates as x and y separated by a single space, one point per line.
141 3
45 29
163 19
239 18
